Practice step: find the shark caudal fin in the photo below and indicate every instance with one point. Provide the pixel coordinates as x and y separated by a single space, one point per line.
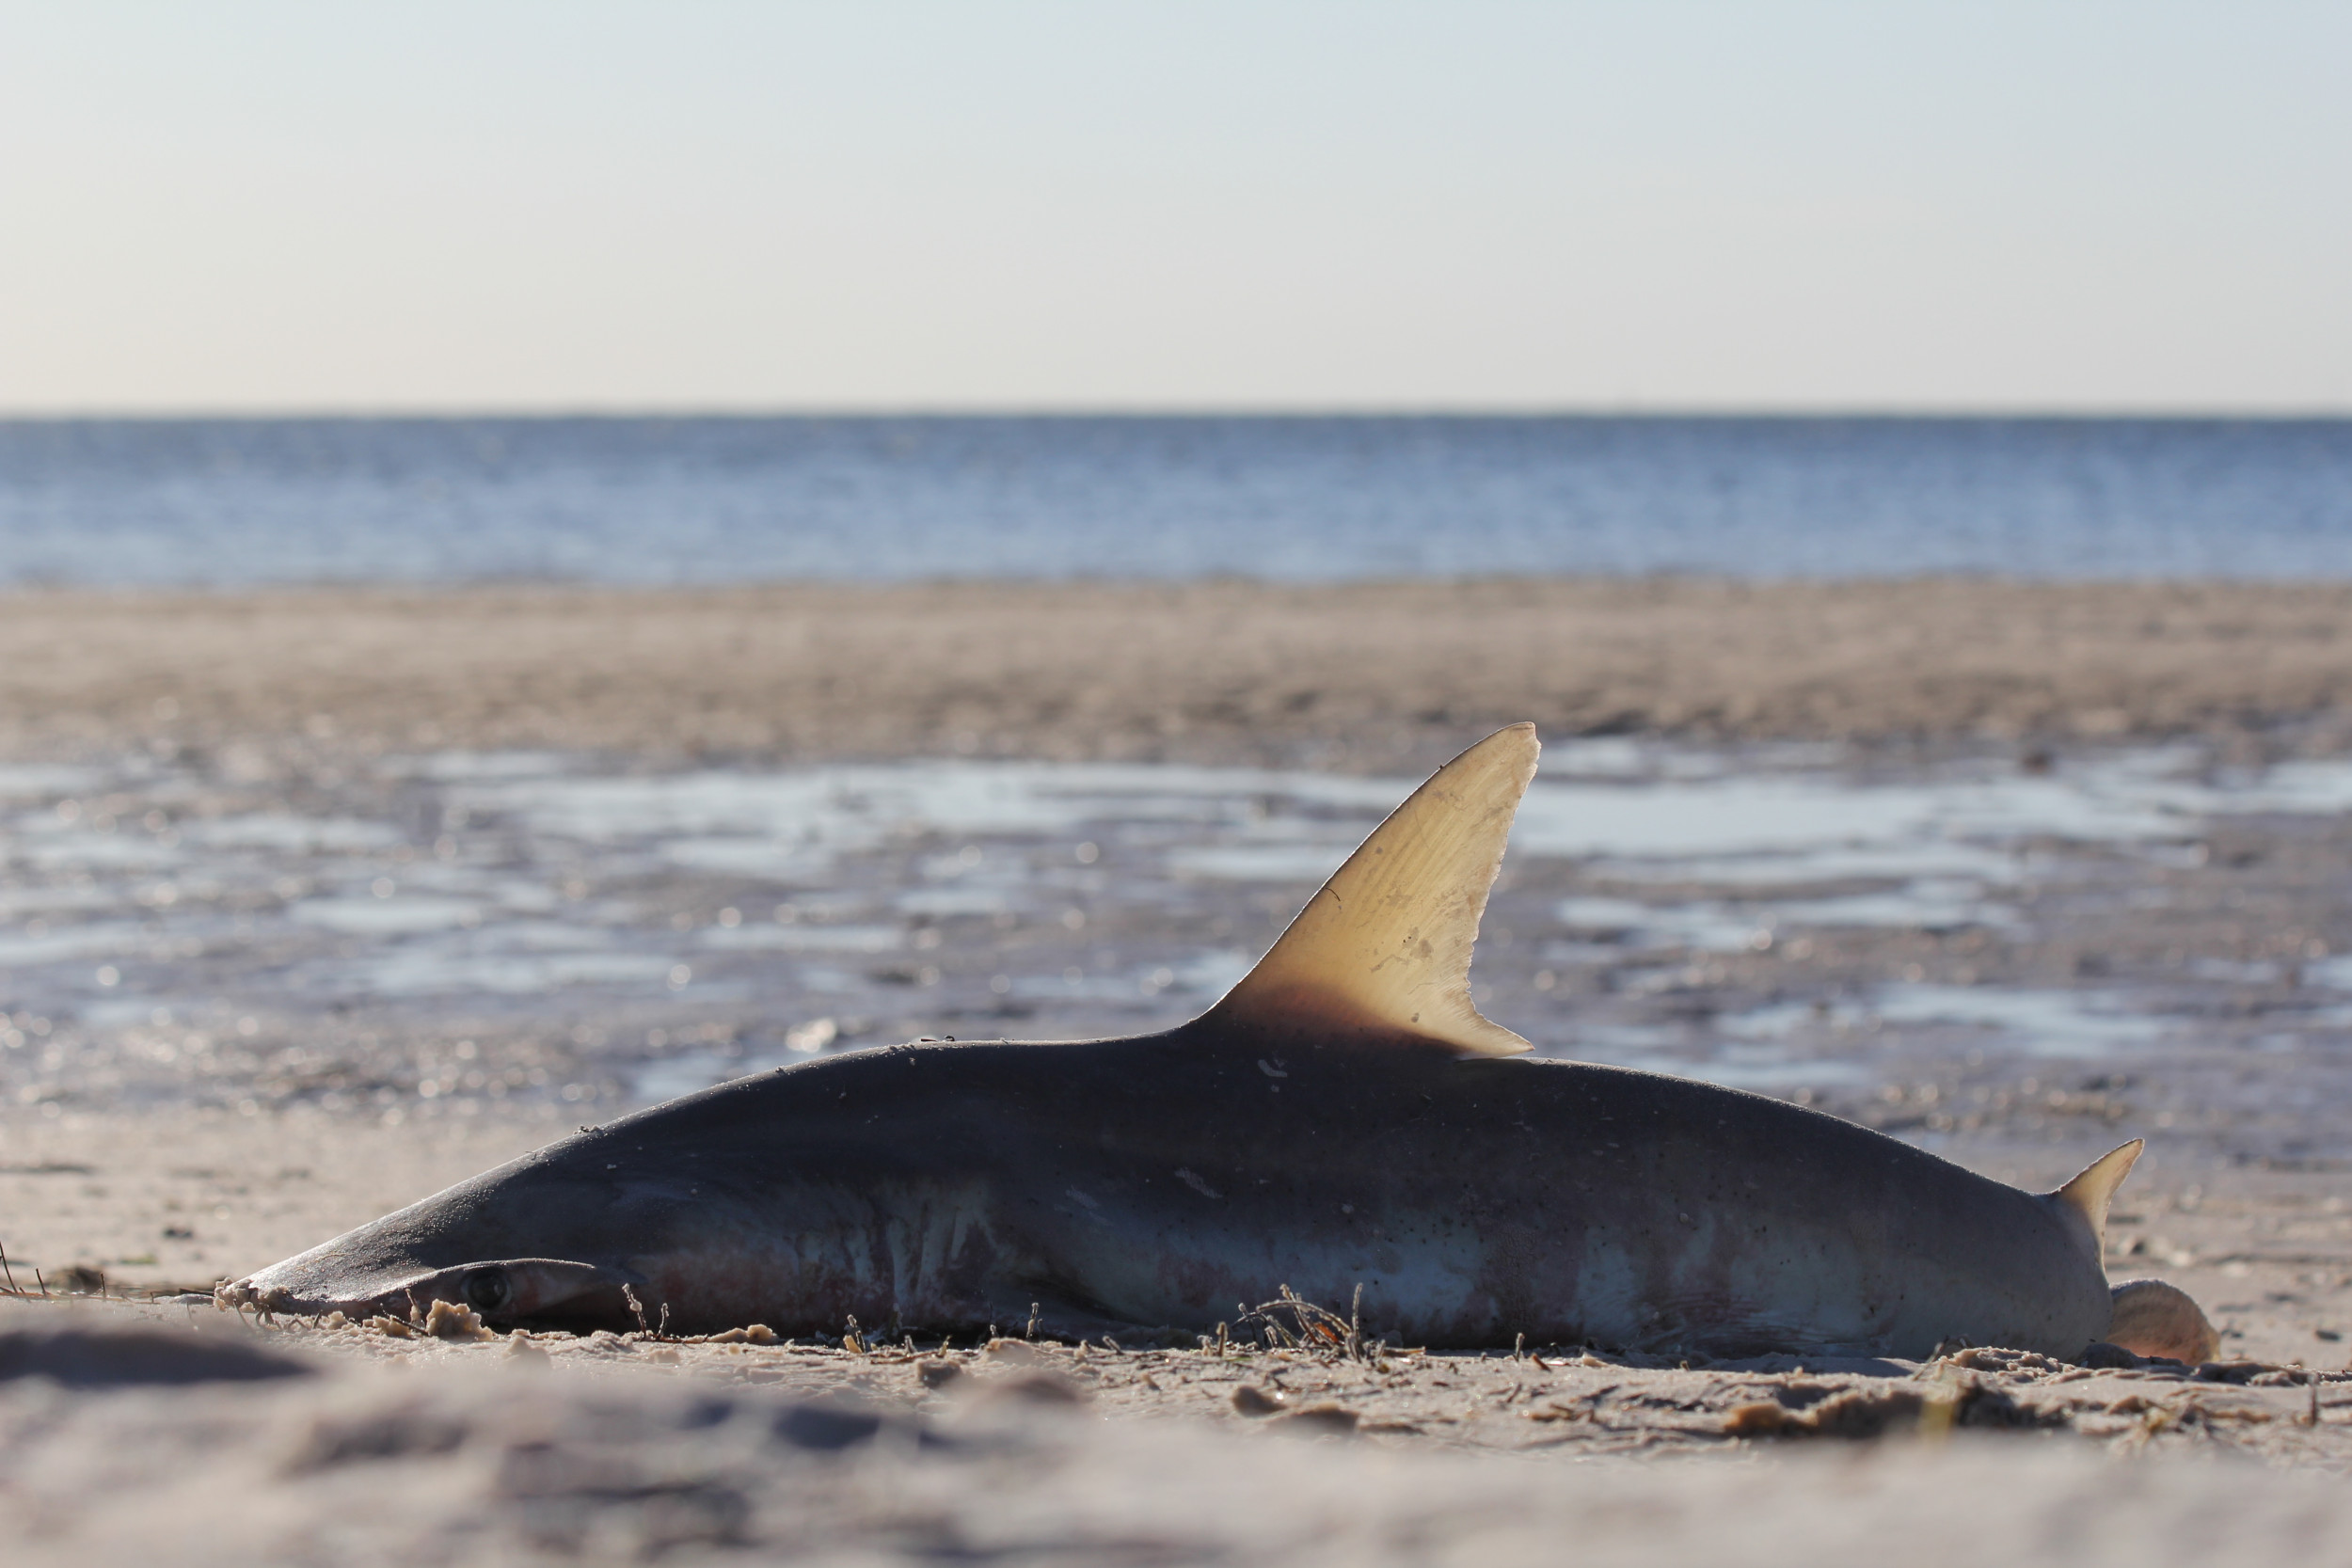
2084 1199
1385 947
2151 1318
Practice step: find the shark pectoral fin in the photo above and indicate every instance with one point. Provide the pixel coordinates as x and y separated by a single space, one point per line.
2153 1318
2084 1199
1384 947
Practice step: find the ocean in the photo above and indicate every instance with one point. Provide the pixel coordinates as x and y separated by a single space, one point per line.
653 501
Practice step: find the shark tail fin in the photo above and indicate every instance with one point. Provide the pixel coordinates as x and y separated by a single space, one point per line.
2087 1195
1384 949
2151 1317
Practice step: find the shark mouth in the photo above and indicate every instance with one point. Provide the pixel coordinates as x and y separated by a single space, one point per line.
506 1292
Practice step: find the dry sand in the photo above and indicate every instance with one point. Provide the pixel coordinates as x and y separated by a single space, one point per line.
1368 676
358 1445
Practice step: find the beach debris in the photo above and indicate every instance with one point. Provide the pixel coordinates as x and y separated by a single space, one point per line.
1251 1400
1855 1412
1290 1322
1323 1418
448 1321
750 1333
83 1279
1942 1397
265 1300
1928 1407
1031 1386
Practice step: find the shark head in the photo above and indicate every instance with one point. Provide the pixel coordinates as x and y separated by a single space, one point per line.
481 1246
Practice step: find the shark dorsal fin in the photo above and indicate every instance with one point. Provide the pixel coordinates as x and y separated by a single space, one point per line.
1384 949
2089 1195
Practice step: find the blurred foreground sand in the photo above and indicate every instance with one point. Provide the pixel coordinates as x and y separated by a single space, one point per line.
202 1437
1369 677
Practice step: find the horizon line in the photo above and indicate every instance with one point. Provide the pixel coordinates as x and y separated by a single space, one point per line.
553 411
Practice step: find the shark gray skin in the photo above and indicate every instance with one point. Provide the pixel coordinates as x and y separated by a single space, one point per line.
1344 1117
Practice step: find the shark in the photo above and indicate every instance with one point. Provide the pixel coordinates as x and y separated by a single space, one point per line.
1343 1126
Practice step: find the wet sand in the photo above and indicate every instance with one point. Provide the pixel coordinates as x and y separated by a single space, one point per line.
1360 678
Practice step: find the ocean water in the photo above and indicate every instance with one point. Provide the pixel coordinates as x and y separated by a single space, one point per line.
707 500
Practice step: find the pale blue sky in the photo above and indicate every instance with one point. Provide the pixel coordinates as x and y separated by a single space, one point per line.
246 206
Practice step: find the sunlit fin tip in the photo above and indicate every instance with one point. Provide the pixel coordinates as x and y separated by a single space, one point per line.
2090 1194
1385 947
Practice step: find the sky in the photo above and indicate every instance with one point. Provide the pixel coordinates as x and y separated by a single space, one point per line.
246 207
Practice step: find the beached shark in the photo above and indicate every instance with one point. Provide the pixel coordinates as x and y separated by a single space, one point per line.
1342 1119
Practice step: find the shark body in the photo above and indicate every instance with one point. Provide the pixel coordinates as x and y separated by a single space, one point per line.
1344 1118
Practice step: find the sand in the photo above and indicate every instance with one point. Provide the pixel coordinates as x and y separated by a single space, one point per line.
358 1445
1370 676
396 1448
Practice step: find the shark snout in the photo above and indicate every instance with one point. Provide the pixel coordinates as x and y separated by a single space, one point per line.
501 1289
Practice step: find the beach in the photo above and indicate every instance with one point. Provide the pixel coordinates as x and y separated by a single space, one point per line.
295 1448
843 717
323 899
1356 677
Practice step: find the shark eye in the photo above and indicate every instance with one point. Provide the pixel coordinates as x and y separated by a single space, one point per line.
486 1289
